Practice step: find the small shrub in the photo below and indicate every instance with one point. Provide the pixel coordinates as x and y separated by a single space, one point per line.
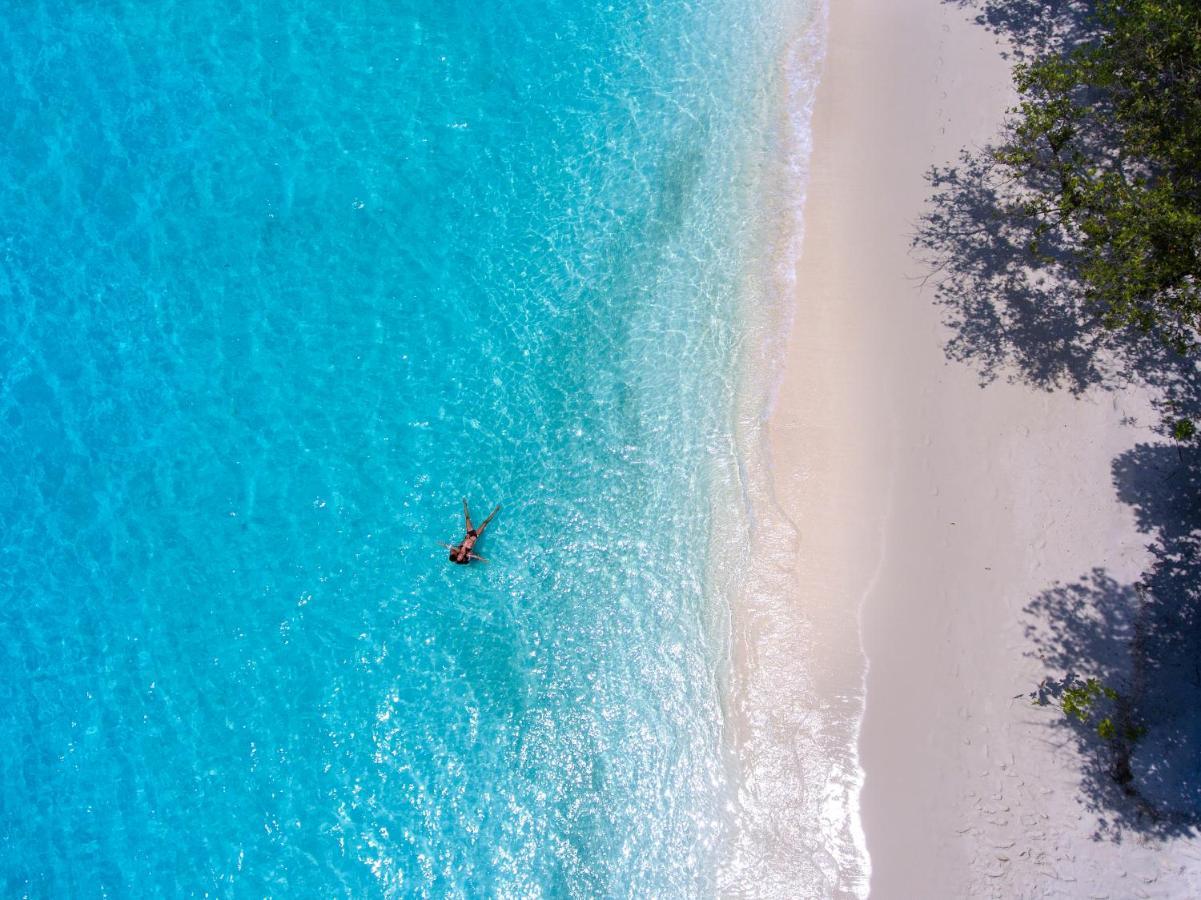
1079 698
1184 430
1080 701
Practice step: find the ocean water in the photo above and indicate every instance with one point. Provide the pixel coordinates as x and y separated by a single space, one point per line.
279 284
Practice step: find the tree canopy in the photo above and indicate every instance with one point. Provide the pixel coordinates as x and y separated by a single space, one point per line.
1107 144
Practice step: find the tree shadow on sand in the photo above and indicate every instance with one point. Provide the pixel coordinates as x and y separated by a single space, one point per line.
1144 641
1007 315
1019 313
1033 27
1015 312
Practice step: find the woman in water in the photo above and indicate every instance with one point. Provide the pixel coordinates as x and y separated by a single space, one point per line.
461 553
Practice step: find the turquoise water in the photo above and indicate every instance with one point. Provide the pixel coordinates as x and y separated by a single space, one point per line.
280 283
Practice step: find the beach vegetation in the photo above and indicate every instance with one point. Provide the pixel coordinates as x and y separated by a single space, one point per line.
1090 701
1106 146
1079 702
1184 430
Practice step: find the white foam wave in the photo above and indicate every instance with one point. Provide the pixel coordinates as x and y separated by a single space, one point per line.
793 731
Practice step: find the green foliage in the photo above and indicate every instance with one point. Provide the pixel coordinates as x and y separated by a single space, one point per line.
1108 140
1184 430
1078 699
1086 701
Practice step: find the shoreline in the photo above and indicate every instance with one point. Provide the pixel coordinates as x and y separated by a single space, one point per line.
792 706
931 509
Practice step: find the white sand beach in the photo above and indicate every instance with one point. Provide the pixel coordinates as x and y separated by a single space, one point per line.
934 510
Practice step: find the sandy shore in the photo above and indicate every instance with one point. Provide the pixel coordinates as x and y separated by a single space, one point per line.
932 510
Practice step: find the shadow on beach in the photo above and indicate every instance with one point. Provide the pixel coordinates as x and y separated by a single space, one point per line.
1021 317
1033 27
1143 640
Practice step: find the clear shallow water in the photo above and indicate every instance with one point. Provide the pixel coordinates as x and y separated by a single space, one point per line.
279 284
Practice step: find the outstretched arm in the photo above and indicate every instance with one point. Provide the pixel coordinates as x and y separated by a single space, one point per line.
477 556
489 519
467 515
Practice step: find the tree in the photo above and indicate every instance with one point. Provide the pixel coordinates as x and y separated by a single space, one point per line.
1106 145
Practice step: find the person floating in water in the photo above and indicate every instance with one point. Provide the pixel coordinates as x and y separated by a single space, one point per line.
461 552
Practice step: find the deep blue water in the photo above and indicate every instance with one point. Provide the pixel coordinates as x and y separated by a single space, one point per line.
281 282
